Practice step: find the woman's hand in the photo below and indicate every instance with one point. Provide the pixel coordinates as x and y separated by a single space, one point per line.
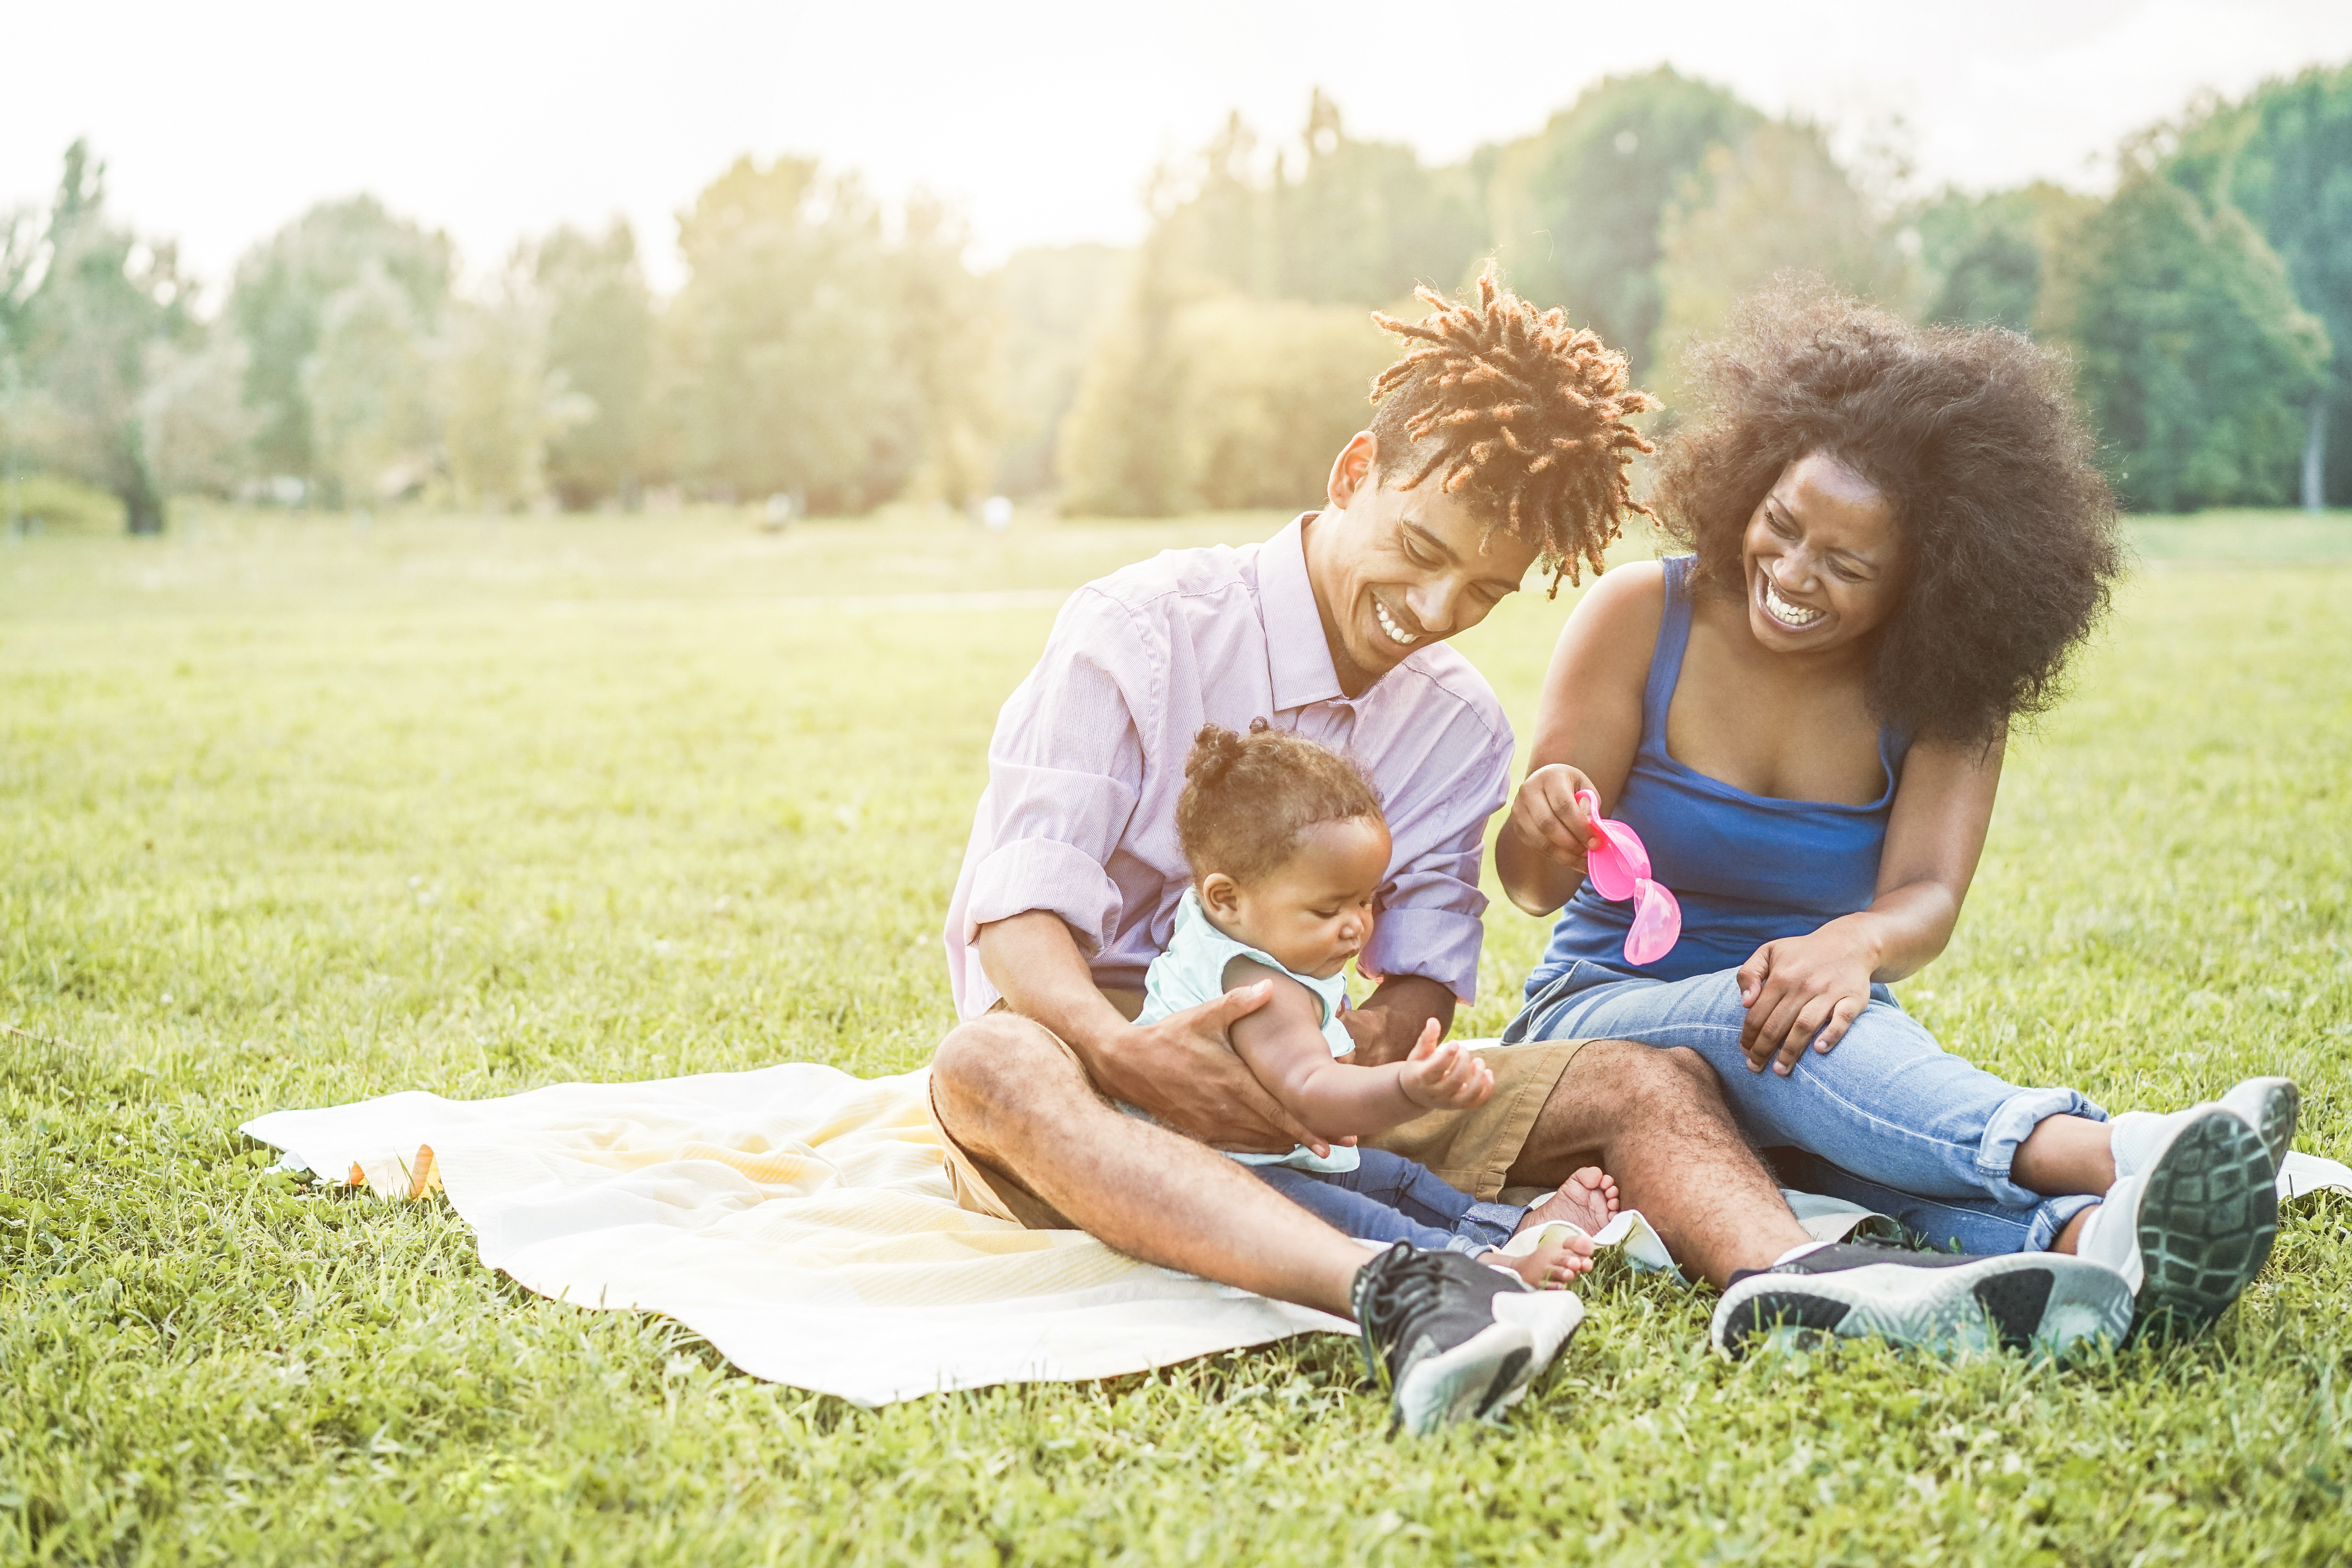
1803 988
1550 820
1444 1077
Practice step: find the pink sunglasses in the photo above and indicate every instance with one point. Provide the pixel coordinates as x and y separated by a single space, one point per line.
1621 870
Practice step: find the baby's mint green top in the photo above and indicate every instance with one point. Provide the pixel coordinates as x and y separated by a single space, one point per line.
1192 971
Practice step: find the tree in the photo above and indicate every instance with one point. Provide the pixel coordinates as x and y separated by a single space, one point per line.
2284 158
500 403
2196 361
1234 236
1117 455
1777 202
1269 389
1248 403
1987 257
946 328
600 344
278 306
102 301
195 429
1053 302
1580 211
366 391
1366 221
781 348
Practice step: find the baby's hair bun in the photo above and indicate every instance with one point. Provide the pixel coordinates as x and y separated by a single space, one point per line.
1215 749
1246 797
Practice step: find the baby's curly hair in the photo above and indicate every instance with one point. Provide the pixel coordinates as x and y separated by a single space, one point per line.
1529 416
2009 543
1247 797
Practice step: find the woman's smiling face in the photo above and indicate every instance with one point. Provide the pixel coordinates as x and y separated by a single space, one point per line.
1821 556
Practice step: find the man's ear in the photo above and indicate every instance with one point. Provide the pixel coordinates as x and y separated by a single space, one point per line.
1220 895
1351 471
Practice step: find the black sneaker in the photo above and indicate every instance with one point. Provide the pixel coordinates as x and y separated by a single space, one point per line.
1452 1339
2037 1302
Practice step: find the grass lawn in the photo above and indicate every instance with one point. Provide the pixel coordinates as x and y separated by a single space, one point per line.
298 814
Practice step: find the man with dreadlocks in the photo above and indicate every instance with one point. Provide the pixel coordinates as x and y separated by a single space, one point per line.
1499 441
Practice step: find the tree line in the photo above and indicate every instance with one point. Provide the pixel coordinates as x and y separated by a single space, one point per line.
837 355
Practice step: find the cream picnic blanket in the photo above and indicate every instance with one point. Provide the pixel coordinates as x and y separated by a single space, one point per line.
800 1219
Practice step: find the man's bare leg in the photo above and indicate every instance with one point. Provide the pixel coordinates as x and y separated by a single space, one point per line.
1013 1097
1654 1119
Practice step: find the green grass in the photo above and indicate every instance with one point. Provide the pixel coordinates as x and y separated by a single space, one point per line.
298 815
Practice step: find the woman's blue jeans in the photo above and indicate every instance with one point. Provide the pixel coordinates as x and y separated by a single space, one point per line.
1388 1198
1887 1119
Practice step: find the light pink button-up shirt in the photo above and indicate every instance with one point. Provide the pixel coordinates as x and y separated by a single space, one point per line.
1079 815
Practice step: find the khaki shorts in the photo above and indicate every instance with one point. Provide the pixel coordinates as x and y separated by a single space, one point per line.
1470 1150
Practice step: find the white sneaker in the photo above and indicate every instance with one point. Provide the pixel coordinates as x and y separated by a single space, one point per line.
2035 1303
2268 1106
2192 1224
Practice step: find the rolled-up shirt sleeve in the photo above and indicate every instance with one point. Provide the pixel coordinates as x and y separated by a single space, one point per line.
1064 771
1430 922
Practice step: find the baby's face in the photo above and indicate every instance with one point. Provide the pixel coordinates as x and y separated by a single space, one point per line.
1314 913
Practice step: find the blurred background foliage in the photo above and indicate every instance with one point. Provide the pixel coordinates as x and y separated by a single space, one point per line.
828 351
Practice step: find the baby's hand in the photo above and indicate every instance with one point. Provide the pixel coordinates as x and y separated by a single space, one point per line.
1444 1077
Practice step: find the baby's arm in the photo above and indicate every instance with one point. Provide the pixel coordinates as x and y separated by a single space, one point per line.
1283 1044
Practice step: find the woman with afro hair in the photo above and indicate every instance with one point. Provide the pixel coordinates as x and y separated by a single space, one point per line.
1897 535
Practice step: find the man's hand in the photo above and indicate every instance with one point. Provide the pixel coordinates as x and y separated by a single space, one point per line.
1550 820
1803 989
1444 1077
1393 1017
1183 1070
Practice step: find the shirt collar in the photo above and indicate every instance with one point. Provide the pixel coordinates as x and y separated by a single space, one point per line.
1297 658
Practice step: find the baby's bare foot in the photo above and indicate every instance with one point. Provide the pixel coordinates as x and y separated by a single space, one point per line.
1550 1265
1587 1200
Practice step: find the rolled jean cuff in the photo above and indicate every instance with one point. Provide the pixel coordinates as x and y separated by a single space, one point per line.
2012 1122
2051 1217
1490 1223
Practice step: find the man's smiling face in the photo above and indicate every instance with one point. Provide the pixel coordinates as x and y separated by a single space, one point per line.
1395 569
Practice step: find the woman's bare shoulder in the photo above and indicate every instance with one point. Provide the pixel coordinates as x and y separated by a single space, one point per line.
1621 609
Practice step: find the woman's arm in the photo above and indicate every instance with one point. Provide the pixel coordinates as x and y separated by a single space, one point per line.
1587 728
1283 1043
1804 987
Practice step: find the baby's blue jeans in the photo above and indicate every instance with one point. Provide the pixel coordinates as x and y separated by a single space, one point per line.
1887 1119
1390 1198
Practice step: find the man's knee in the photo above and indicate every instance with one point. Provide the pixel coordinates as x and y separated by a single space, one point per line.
1650 1079
995 1062
1696 1075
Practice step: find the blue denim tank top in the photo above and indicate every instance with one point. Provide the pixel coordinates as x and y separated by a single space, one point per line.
1748 868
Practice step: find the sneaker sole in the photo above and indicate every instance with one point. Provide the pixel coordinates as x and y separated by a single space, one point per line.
2207 1219
1475 1378
2278 1105
2035 1302
1551 1318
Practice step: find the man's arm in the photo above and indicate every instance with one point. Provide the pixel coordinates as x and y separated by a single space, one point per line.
1181 1069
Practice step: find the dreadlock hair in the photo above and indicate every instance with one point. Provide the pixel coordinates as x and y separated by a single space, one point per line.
1249 797
1518 411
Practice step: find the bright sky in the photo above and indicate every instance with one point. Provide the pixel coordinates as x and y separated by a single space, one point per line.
495 119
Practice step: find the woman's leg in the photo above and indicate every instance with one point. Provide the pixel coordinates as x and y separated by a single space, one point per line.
1888 1105
1983 1227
